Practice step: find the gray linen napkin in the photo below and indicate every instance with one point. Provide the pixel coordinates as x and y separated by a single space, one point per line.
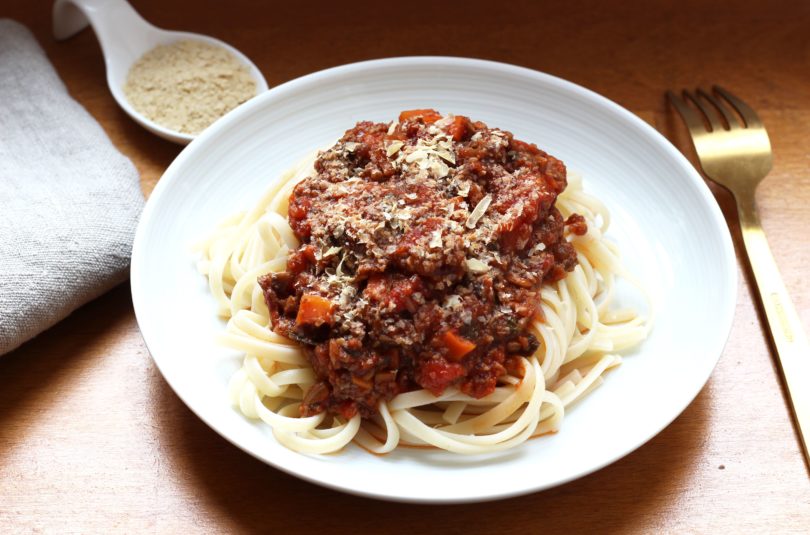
69 201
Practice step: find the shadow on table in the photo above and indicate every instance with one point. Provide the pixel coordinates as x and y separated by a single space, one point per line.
43 366
255 497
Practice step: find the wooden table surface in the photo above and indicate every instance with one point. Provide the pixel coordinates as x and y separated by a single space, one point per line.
93 440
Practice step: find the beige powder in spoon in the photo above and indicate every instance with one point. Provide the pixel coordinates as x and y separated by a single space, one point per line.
187 85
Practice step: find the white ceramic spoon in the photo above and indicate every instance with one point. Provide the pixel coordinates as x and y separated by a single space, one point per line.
125 36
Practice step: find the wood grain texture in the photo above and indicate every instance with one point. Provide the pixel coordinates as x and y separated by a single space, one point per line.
93 440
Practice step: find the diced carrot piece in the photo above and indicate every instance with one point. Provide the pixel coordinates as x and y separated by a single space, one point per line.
314 310
428 115
458 128
457 346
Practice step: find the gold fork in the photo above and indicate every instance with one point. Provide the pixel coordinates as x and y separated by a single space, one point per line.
734 151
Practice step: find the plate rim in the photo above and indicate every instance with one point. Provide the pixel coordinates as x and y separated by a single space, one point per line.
137 275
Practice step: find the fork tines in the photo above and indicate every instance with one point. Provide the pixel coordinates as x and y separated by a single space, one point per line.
709 110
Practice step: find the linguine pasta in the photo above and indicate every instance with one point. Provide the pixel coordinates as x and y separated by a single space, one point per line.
581 337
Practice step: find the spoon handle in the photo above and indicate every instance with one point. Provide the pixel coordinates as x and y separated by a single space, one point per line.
72 16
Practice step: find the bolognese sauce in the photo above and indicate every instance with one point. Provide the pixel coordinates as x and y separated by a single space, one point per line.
424 244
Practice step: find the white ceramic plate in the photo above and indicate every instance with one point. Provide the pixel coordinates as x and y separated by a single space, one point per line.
664 218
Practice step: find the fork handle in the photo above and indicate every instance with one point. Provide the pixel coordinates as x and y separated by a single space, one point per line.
789 340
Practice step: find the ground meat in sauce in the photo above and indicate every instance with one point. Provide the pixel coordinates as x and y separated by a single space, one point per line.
424 245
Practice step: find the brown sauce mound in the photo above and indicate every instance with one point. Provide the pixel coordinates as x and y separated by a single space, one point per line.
424 245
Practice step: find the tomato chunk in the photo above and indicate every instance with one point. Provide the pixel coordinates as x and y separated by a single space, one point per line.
457 346
437 375
314 310
428 115
393 290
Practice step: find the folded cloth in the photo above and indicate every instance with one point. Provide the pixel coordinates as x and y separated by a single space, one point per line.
69 201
